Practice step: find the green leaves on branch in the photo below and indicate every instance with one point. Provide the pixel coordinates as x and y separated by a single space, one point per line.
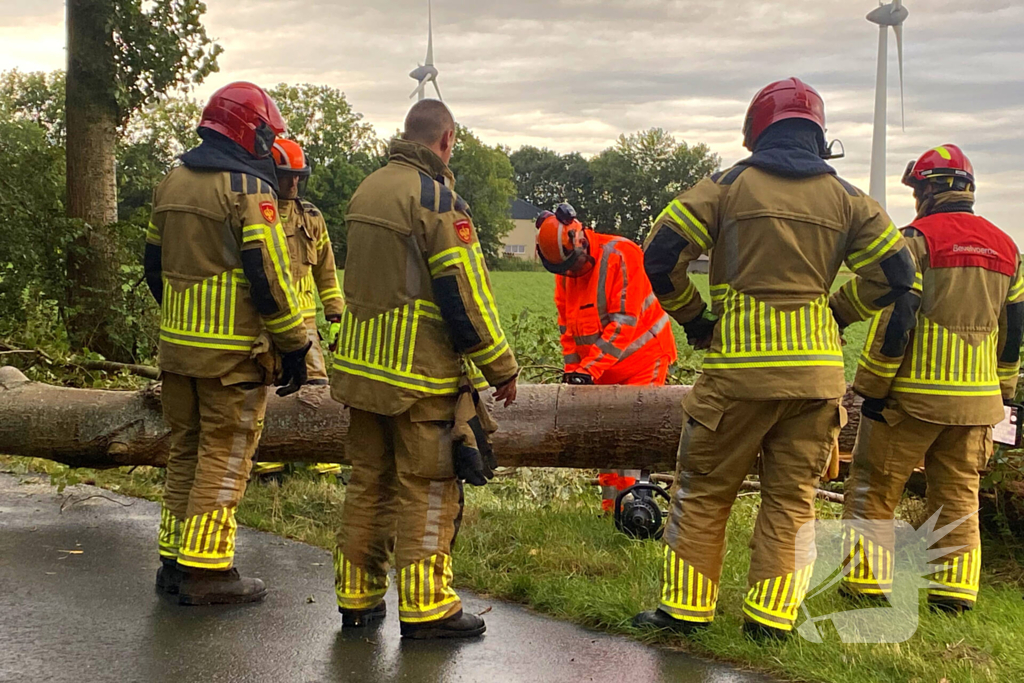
484 177
622 189
158 46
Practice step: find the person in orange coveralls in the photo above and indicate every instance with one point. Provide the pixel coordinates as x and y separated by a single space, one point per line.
613 329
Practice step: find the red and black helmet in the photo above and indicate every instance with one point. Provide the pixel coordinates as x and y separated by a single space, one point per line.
781 100
244 113
946 161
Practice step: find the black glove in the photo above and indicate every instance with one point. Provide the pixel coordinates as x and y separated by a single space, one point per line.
701 329
473 466
872 409
578 378
293 371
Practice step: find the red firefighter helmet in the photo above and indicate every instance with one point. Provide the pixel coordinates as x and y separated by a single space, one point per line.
289 158
947 161
562 244
244 113
781 100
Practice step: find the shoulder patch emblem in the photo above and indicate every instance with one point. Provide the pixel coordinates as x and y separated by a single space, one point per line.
269 212
464 229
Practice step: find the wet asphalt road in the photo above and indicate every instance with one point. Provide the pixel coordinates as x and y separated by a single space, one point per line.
77 603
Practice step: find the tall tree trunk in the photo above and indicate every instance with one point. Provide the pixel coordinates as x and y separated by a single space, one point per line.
550 425
92 119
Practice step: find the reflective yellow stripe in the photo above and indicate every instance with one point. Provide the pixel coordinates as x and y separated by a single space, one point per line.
683 299
686 594
687 223
1016 290
425 590
942 363
331 293
774 602
756 335
355 588
1007 372
958 578
863 308
153 234
876 250
203 315
169 535
471 260
209 540
382 348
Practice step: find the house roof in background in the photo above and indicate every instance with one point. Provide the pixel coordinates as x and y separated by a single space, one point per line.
521 210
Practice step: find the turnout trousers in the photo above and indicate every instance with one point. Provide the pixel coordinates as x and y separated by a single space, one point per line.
884 457
720 444
402 501
214 432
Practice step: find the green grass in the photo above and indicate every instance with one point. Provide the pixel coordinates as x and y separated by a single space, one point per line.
535 537
535 293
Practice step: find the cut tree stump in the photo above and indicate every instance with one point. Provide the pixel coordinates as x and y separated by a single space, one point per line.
549 426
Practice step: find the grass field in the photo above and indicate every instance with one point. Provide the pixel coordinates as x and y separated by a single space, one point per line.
534 536
534 292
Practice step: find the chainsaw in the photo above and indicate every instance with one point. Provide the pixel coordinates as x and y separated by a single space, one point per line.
641 509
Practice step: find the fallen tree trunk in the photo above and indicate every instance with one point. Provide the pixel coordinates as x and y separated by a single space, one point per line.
549 426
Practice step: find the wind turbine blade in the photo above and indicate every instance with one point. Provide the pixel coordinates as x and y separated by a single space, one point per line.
434 81
898 28
419 89
430 35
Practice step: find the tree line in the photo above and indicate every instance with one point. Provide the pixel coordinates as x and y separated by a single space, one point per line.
81 152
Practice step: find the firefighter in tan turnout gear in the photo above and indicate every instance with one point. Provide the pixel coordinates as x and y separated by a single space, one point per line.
313 270
419 308
935 395
217 262
779 226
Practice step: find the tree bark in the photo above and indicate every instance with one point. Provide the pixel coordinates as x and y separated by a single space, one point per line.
92 120
549 426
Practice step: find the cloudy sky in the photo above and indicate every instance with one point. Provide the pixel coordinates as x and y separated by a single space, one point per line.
574 74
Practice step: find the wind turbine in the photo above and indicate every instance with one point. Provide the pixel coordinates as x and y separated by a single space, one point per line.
426 72
892 14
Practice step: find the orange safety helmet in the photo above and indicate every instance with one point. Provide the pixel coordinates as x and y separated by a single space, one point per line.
289 158
244 113
946 161
562 244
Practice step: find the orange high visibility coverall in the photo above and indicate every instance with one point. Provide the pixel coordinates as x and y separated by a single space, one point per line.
614 330
612 326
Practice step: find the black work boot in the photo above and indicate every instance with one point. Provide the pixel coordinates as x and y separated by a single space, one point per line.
358 618
169 576
949 606
218 587
459 625
760 633
663 621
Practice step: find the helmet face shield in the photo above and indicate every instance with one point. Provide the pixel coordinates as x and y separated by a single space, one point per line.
264 140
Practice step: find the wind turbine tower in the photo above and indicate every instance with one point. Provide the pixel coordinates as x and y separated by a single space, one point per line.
890 15
426 72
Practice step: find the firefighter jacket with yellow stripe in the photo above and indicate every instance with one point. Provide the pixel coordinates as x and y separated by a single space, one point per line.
963 357
776 245
418 299
611 323
217 262
313 268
